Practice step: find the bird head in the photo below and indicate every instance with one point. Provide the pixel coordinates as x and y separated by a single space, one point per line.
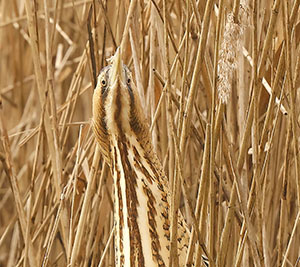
117 108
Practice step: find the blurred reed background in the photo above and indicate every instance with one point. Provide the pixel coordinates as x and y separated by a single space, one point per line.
231 71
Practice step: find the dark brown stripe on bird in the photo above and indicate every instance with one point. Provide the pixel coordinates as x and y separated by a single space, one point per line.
135 124
140 166
136 252
155 243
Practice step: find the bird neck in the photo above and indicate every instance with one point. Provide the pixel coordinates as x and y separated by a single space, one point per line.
141 205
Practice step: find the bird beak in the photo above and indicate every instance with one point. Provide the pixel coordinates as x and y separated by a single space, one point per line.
116 69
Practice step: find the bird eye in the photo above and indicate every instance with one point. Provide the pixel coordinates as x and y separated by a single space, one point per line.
103 82
128 81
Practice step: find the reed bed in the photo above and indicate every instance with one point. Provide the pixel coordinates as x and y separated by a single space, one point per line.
218 81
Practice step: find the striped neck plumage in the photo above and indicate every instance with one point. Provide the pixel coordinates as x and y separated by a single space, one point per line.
141 204
142 236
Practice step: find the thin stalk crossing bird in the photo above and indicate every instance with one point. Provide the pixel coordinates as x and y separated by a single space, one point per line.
141 193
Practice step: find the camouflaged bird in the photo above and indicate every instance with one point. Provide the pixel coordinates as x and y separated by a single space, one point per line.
141 193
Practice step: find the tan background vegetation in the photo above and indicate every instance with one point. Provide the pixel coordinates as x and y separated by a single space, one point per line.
211 103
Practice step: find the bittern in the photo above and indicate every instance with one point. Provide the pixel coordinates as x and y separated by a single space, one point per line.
141 193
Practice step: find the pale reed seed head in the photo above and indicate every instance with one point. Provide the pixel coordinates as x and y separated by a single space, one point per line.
230 47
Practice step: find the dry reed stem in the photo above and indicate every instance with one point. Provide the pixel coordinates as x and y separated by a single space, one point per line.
214 137
199 59
85 205
175 182
261 69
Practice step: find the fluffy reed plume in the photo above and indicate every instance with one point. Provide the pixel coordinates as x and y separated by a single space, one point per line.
229 50
228 57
